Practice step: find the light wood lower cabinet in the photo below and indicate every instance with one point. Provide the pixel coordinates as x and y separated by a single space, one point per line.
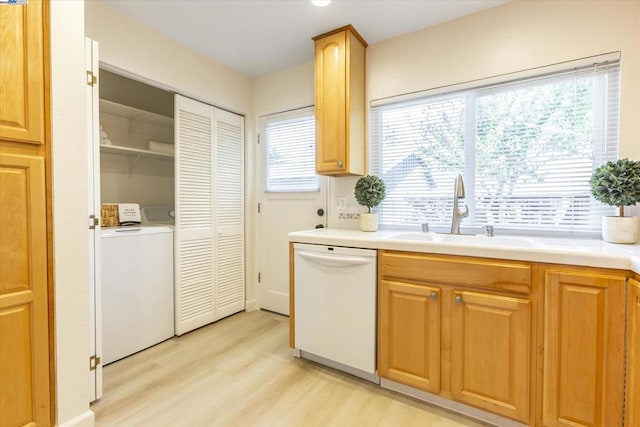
409 319
583 348
632 414
490 357
543 344
439 333
24 334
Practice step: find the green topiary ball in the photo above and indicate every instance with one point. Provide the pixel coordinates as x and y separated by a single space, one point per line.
617 183
370 191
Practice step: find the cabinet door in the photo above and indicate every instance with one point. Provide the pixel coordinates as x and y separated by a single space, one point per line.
331 109
490 360
632 416
24 346
22 101
409 334
583 349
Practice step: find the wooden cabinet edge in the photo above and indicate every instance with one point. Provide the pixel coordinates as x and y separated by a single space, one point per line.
632 386
292 323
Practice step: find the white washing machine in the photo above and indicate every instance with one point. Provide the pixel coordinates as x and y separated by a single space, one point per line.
137 289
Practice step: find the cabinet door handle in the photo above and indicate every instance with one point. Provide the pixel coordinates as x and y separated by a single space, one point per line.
434 295
339 163
458 299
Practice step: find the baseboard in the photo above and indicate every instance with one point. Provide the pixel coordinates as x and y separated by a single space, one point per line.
86 419
461 408
251 305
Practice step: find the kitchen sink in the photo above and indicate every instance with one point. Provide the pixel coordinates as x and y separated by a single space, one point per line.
466 239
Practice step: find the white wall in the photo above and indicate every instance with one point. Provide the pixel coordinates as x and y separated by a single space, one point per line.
517 36
69 171
141 52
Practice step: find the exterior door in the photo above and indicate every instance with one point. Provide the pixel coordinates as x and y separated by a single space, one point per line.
93 212
291 198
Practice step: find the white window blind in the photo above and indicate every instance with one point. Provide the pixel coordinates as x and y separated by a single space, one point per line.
526 149
290 149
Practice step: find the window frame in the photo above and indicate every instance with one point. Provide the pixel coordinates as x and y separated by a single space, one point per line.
471 91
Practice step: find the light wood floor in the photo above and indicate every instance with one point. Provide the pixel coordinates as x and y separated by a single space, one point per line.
240 372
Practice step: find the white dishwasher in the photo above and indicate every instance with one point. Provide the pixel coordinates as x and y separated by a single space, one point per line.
335 307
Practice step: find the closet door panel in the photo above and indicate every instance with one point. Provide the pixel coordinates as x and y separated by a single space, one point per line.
229 213
194 238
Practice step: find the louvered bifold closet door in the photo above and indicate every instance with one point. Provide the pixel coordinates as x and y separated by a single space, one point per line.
194 236
229 213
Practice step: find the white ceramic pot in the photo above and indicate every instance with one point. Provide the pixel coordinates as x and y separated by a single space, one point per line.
621 229
369 221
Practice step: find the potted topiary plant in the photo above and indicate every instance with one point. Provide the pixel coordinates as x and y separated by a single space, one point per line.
369 192
617 183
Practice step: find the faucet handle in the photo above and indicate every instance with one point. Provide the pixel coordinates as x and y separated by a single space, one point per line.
466 211
489 229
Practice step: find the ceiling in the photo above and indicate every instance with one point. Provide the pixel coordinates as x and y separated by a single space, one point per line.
260 37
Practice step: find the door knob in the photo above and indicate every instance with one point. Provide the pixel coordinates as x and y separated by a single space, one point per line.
319 226
339 163
433 296
320 212
458 299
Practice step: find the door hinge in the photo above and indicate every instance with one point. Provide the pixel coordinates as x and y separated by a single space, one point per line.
93 222
258 138
91 78
94 361
258 207
259 277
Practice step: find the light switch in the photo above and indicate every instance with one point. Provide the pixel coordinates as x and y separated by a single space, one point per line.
341 203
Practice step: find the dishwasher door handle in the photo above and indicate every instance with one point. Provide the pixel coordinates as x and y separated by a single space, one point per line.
334 260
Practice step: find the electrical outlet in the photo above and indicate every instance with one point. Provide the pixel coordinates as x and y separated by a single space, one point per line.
348 215
341 203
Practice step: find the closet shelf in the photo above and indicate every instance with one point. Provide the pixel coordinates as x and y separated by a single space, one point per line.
134 114
127 151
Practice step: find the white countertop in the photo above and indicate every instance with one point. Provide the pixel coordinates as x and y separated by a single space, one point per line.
586 252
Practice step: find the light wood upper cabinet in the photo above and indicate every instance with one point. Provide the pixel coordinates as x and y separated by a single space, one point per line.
409 334
583 348
340 102
491 347
22 82
632 415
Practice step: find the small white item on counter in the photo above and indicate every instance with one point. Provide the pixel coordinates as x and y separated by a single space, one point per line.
129 213
105 141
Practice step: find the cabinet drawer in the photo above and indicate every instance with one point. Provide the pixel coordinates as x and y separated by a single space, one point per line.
460 271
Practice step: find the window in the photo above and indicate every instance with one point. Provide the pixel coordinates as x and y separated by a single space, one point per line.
290 146
526 150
